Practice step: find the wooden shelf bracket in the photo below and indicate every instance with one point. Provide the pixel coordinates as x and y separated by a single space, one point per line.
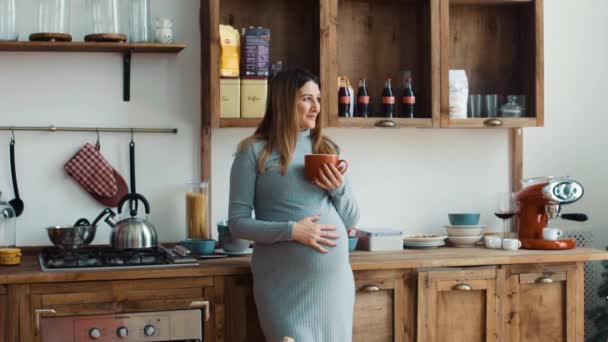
126 76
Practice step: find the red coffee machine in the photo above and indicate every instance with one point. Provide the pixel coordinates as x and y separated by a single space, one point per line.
540 201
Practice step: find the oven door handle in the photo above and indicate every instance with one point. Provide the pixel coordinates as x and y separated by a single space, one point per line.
40 312
203 304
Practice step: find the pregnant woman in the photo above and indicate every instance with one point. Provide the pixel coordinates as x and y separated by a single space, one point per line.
303 283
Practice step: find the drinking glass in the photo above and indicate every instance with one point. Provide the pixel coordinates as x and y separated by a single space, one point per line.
474 106
506 208
197 210
490 103
8 27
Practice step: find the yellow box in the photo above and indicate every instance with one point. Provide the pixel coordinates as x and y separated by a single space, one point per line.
253 97
230 98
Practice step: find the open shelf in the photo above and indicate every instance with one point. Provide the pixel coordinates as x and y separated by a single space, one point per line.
90 47
371 122
493 123
378 39
500 49
234 122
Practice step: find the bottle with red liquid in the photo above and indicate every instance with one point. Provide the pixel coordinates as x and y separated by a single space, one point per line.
388 100
408 100
343 99
362 100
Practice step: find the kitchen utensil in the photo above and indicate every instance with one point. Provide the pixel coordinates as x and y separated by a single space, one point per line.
490 105
464 231
506 208
131 232
540 201
197 210
245 252
314 162
474 106
7 224
511 244
72 237
16 203
492 241
552 233
200 246
464 241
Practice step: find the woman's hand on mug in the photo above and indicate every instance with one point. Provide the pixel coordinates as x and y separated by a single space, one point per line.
330 177
309 233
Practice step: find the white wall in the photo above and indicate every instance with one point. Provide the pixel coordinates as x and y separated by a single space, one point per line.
407 178
82 89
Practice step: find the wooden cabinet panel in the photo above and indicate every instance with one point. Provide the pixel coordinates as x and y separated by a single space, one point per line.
458 305
242 324
384 306
544 304
4 323
106 297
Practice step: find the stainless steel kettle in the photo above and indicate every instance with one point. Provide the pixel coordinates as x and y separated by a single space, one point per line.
131 232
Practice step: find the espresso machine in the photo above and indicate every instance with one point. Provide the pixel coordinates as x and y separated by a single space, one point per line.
540 201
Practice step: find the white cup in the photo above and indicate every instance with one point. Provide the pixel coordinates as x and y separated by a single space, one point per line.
492 241
511 244
552 233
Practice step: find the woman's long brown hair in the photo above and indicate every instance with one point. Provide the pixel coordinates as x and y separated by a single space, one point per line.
281 125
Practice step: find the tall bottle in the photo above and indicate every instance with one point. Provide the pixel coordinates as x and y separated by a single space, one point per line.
408 100
343 99
362 100
388 99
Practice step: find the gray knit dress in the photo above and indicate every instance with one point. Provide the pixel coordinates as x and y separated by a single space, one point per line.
298 291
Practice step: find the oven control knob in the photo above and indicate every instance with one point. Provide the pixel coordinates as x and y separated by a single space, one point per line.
94 333
149 330
122 332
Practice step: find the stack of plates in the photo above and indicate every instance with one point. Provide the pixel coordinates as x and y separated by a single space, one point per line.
465 236
424 241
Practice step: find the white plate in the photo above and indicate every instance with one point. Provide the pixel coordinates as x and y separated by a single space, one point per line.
465 240
423 243
245 252
423 246
424 238
471 226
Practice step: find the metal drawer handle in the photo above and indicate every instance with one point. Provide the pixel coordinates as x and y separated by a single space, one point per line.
463 287
385 123
545 280
371 288
493 122
40 312
204 304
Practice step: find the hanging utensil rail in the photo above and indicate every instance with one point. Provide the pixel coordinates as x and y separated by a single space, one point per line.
89 129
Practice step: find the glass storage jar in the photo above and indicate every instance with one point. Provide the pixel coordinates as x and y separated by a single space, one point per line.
511 109
140 21
8 222
8 26
104 21
53 20
198 217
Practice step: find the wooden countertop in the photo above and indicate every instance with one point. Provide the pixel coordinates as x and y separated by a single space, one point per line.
29 270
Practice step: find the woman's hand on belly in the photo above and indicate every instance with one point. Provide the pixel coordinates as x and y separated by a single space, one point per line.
311 234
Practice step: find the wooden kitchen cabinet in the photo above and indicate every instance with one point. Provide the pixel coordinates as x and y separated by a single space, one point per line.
546 303
385 304
242 324
107 297
499 44
458 305
4 322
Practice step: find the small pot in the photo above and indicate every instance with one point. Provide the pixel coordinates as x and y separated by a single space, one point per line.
72 237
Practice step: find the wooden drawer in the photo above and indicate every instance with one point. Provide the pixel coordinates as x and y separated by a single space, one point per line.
107 297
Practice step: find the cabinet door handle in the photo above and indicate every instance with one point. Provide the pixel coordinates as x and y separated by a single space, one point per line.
545 280
463 287
385 123
40 312
493 122
204 304
370 288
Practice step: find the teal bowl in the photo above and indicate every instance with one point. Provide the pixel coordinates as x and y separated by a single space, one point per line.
464 219
352 243
200 246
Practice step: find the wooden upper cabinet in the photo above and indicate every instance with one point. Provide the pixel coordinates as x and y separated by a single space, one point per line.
499 44
546 303
458 305
376 40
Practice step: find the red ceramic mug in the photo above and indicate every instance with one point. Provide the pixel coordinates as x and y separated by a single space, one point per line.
314 162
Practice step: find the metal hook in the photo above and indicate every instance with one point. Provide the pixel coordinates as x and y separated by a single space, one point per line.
13 135
97 131
131 135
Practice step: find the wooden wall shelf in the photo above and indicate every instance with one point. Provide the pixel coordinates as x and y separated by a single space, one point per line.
90 47
125 48
227 123
482 123
371 122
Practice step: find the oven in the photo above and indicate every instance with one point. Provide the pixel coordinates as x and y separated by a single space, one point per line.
175 325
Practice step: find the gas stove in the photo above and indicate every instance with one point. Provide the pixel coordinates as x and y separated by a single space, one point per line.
95 258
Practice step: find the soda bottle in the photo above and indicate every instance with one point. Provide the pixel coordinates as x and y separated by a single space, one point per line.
408 100
388 100
362 100
343 99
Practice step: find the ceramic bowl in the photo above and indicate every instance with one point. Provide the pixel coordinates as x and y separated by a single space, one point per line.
464 219
464 231
352 243
200 246
464 241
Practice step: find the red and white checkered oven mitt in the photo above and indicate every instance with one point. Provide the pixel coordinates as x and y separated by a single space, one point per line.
91 170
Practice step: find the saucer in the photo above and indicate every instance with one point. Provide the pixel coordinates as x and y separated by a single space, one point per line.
245 252
467 226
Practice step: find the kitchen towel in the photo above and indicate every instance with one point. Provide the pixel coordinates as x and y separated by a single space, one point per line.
91 170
